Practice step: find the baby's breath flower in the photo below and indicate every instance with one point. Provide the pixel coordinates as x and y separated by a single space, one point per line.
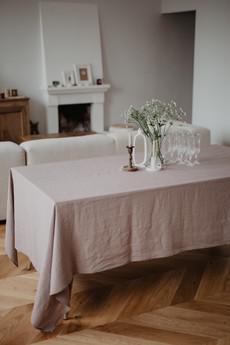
155 118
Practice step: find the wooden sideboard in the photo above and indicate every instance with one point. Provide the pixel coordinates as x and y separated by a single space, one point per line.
14 118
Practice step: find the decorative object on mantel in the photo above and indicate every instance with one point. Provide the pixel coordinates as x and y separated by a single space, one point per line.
83 75
154 119
68 78
80 76
99 81
55 83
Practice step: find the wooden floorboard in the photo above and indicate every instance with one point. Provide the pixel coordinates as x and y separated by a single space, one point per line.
183 300
157 334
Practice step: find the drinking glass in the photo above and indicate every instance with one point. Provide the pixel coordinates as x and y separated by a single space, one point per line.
181 147
172 148
191 149
166 148
196 147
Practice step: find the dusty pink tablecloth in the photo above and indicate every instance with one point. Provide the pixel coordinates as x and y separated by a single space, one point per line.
87 216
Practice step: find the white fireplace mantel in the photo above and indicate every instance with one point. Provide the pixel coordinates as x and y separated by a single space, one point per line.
78 89
93 94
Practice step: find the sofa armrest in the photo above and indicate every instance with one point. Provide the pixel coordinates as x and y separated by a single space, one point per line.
11 155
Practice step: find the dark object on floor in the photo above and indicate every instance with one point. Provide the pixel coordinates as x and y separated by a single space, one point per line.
34 127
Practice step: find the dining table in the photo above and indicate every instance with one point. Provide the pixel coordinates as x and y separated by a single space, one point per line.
89 215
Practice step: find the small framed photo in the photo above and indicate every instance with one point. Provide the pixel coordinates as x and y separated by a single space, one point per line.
68 78
83 74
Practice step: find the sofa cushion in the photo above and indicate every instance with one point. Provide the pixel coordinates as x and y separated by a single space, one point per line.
70 148
11 155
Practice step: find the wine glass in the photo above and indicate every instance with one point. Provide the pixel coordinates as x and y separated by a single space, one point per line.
181 148
196 147
188 154
166 148
171 145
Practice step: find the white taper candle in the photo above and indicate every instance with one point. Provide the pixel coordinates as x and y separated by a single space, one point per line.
130 142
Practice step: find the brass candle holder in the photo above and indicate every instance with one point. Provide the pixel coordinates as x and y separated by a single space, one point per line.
130 167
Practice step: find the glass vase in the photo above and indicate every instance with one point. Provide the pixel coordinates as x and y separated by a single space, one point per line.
156 161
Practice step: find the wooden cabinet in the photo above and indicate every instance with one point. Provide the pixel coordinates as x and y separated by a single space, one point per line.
14 118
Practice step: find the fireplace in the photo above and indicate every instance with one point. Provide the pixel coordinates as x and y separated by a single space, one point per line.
91 98
74 117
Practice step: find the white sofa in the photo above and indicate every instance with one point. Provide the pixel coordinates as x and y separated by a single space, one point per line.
70 148
104 144
11 155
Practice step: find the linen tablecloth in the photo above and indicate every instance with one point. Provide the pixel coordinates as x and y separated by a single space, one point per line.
88 216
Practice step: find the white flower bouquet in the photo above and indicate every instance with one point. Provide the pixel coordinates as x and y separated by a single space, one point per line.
155 118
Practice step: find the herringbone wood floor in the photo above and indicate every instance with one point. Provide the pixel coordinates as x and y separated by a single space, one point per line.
183 300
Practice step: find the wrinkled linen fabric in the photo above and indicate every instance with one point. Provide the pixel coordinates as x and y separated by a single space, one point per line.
88 216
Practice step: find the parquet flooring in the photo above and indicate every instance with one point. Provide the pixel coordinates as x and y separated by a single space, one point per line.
182 300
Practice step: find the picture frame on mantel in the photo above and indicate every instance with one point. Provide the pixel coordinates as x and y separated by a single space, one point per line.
68 78
83 75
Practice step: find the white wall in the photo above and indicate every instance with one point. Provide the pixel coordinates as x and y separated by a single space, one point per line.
20 52
175 72
132 54
137 61
211 64
130 32
70 35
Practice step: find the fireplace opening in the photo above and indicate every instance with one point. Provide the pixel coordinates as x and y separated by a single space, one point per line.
74 118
